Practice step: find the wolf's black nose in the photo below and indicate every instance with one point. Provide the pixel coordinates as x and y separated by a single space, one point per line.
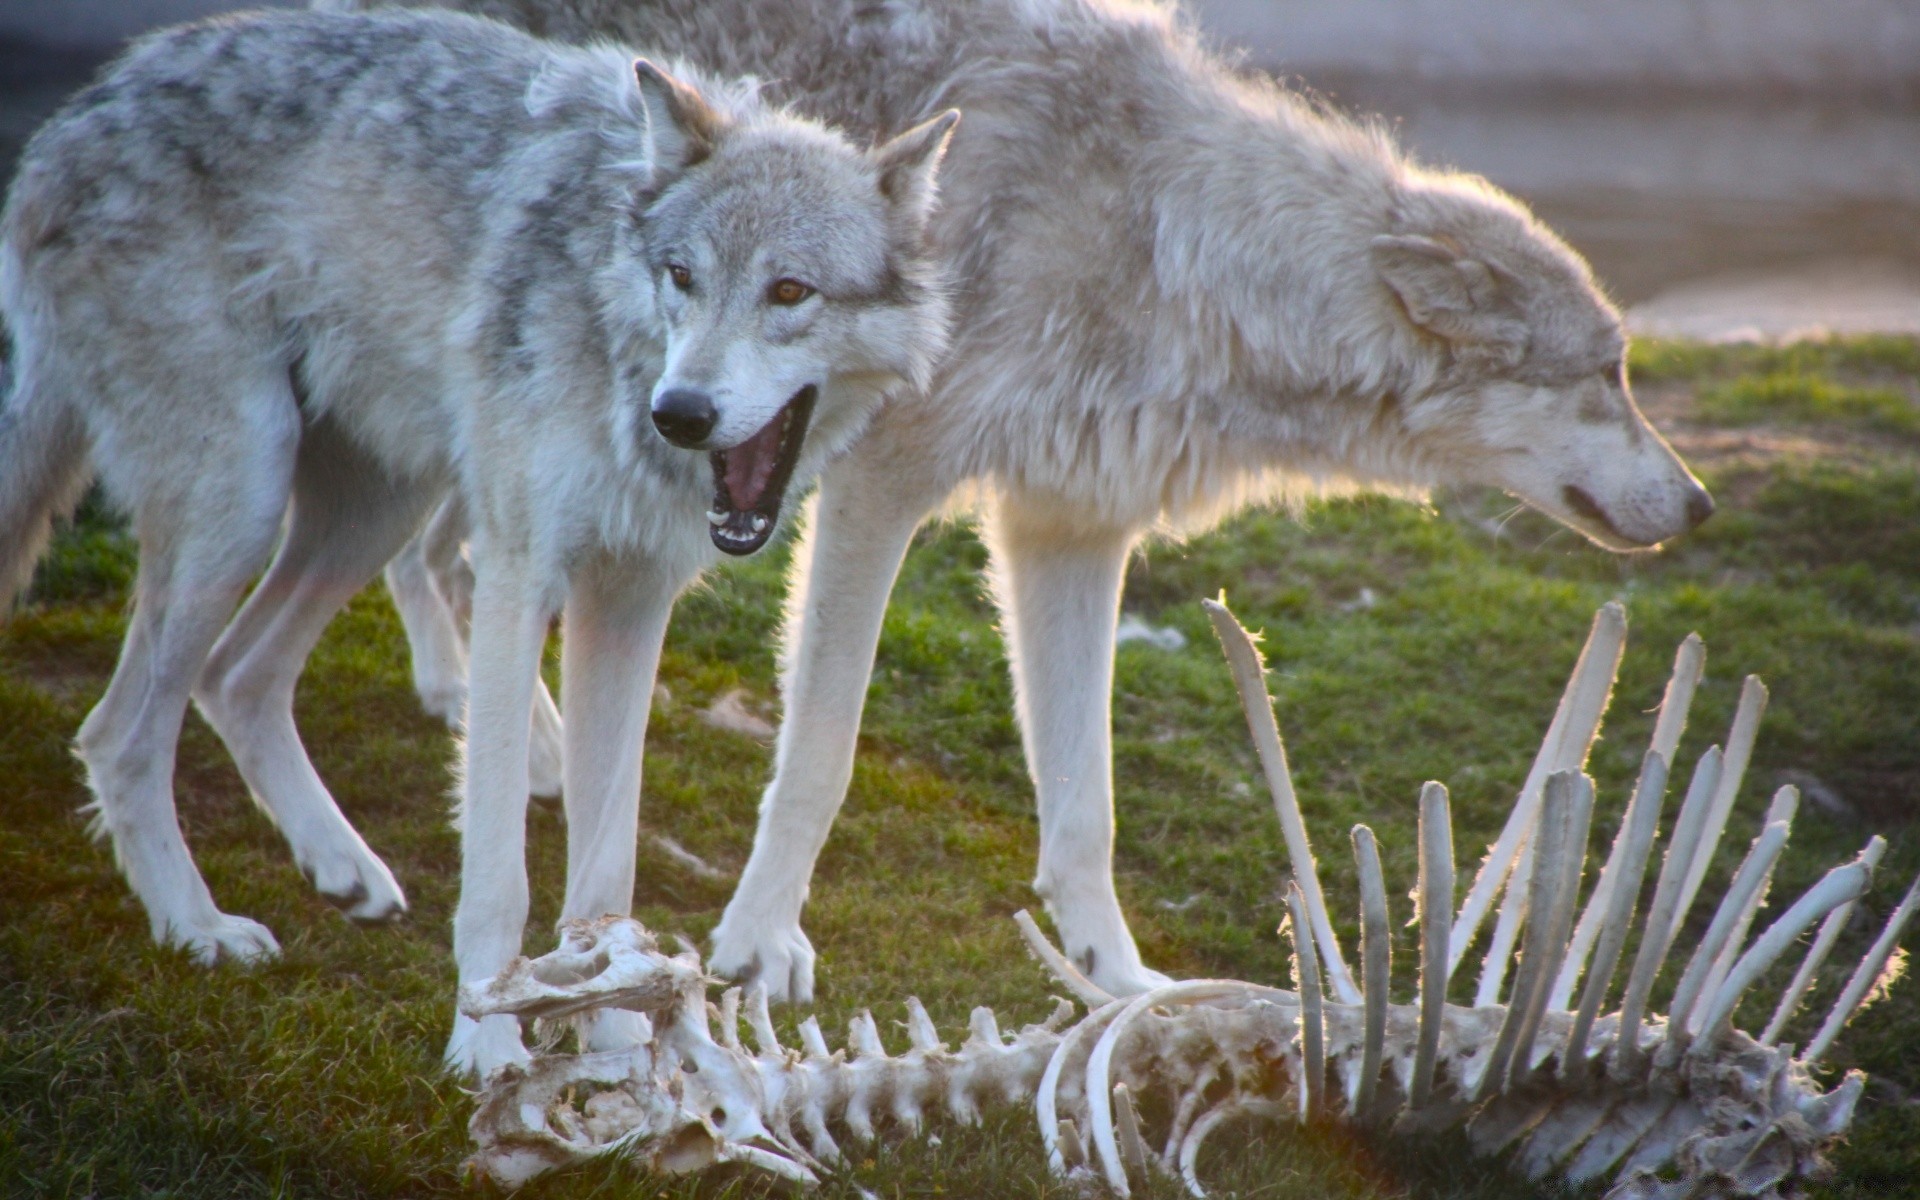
684 417
1699 507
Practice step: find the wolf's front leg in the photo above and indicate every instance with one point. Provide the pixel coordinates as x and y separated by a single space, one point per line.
509 629
615 618
862 521
1059 593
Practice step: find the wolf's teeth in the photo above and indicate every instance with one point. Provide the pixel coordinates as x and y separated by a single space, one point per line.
716 517
759 523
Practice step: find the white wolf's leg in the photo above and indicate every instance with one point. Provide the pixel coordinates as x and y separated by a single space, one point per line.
509 630
616 616
844 567
343 525
434 645
443 548
441 617
203 529
1059 593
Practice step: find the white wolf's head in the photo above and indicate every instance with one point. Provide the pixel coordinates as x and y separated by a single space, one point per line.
1531 392
791 274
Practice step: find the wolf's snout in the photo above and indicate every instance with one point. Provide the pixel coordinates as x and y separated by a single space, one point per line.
685 417
1699 507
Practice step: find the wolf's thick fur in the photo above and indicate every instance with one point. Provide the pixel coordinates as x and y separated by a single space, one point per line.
345 262
1181 291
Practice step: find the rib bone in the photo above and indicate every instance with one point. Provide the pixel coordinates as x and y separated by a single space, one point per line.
1687 1105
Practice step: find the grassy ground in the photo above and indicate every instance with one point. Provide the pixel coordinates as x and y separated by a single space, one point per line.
1406 644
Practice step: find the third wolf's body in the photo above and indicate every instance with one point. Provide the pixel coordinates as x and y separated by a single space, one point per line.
1180 291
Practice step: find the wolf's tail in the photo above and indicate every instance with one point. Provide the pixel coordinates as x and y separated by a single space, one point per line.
43 451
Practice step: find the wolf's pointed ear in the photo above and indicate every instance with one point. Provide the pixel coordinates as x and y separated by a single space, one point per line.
909 164
681 127
1452 295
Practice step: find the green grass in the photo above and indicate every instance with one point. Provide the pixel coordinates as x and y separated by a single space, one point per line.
1406 644
1866 384
1801 398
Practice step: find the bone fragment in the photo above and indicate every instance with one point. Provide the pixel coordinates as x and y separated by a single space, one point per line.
1376 965
1436 922
1306 974
1656 936
1090 993
599 964
1784 807
1249 678
1562 838
1133 1148
1099 1084
1060 1157
1688 663
1830 930
1853 997
1752 874
1842 885
1626 865
1631 850
1575 723
1746 726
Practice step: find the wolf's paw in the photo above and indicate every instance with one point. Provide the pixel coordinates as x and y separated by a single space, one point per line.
445 698
1129 980
354 880
774 953
479 1048
219 938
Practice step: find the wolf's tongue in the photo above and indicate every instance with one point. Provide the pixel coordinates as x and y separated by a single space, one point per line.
750 464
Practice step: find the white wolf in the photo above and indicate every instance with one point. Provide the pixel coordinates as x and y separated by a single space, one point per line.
1181 291
345 262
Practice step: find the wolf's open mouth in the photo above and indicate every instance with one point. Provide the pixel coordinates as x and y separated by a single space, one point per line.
750 480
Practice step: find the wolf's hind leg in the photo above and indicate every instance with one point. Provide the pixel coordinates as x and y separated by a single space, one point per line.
345 522
432 586
203 529
843 571
1059 592
436 647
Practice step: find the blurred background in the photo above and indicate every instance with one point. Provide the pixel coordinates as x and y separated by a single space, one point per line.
1730 167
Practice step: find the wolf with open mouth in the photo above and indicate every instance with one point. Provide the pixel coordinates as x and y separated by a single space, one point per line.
332 268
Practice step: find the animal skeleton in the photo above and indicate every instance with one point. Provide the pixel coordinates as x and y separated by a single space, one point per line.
1681 1105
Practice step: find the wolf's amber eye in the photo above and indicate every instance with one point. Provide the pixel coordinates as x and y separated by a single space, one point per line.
788 292
682 278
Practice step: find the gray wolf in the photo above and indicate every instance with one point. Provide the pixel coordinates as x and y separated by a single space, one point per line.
1181 291
330 266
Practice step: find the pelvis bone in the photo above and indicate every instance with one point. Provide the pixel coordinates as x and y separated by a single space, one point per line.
1583 1081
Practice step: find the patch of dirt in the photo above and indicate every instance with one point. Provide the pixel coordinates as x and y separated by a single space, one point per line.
64 680
1727 449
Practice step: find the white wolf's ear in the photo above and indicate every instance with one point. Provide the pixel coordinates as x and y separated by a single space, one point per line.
681 127
1453 295
909 164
